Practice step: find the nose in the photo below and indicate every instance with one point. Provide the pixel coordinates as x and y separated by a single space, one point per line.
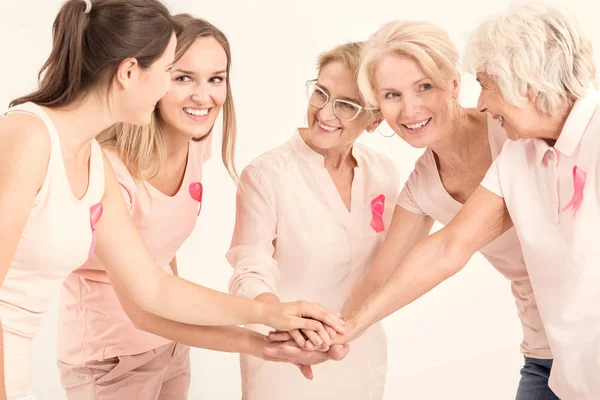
326 113
201 94
411 107
481 103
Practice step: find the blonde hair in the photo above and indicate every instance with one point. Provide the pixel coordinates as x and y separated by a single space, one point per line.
142 149
425 43
533 46
348 54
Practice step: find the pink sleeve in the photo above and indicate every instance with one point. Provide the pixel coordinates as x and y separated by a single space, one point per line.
491 180
407 198
252 245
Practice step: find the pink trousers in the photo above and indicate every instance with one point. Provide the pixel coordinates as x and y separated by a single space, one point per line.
159 374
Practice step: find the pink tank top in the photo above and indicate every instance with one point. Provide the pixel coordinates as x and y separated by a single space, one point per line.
92 324
57 239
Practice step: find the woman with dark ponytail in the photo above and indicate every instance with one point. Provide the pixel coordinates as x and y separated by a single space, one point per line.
60 201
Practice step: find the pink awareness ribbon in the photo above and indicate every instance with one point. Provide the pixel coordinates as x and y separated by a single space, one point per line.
377 208
95 214
196 190
579 176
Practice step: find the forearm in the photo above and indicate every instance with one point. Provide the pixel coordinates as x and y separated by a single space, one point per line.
361 293
198 305
230 339
428 264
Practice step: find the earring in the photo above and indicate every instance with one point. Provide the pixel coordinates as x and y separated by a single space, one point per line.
386 136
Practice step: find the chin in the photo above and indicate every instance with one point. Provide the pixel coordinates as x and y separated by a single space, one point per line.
324 143
139 120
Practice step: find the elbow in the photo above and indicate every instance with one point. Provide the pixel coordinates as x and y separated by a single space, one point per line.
138 321
455 253
148 297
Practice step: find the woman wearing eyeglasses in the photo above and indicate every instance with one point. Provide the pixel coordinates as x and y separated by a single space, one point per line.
311 214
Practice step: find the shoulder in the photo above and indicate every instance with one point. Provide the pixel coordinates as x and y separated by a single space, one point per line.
25 144
373 159
274 159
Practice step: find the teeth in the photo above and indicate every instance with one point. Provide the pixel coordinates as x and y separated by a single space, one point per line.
414 127
327 128
194 112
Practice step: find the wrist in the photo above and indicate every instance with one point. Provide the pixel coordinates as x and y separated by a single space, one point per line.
267 308
255 344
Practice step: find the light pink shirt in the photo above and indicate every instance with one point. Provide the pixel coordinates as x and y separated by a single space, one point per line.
425 194
294 237
56 240
557 218
92 324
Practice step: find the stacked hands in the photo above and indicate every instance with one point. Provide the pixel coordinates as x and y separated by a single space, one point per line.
322 335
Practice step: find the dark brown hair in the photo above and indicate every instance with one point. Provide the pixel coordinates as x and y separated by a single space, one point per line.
88 48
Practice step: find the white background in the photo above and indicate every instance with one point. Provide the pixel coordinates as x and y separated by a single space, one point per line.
461 341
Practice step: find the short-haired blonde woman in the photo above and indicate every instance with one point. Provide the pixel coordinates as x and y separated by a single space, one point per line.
108 347
536 71
409 71
311 214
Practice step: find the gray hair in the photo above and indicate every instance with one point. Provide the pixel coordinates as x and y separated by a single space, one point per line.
533 46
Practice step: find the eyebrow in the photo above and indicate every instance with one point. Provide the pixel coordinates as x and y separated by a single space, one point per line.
184 71
346 98
414 83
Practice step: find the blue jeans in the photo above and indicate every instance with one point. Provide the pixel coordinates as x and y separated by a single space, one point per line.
534 380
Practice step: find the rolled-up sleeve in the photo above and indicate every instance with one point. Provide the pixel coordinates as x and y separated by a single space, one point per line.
407 199
253 242
491 180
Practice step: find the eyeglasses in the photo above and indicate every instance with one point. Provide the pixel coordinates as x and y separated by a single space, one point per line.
343 109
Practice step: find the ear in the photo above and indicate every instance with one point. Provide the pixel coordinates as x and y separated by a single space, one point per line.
455 86
375 121
531 95
127 71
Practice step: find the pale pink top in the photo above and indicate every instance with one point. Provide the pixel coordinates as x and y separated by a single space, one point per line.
425 194
56 240
552 195
294 237
92 324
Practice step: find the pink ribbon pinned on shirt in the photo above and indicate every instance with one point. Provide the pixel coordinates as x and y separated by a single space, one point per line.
377 208
579 177
196 193
95 214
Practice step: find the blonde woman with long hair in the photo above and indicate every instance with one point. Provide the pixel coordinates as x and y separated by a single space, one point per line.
109 348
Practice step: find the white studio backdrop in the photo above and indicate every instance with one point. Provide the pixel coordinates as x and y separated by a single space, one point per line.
461 341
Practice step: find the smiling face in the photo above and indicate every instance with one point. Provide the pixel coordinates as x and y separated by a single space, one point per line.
411 103
327 131
519 122
198 89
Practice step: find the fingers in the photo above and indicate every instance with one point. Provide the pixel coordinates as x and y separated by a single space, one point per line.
331 332
306 371
338 352
276 336
314 337
317 312
304 324
297 337
290 352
